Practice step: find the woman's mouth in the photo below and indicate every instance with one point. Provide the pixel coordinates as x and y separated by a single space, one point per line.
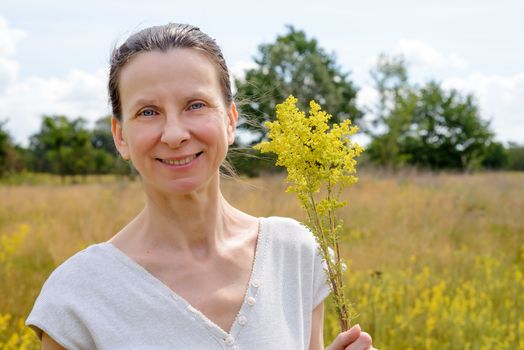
182 161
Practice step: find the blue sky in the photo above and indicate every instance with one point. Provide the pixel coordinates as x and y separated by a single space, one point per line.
54 54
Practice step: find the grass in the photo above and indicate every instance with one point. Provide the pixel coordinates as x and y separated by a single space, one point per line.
436 260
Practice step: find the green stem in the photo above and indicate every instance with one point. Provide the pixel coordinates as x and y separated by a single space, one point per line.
344 317
333 271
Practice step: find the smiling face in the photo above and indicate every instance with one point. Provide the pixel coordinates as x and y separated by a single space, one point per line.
175 125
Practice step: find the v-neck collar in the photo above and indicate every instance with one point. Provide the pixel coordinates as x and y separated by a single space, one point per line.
252 288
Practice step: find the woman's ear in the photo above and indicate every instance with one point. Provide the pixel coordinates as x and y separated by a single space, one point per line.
118 138
232 119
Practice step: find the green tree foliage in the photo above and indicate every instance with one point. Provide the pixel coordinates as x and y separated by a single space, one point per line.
63 147
5 145
425 126
447 131
391 81
102 142
101 137
107 159
515 154
394 111
294 65
12 157
495 157
68 147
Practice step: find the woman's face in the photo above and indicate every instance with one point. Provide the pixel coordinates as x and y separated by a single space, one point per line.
175 125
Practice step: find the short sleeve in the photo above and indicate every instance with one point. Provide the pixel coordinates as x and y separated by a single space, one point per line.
320 279
55 312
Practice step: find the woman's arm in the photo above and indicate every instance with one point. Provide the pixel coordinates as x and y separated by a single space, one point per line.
317 328
48 343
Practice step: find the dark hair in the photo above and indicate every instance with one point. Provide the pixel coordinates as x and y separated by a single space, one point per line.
164 38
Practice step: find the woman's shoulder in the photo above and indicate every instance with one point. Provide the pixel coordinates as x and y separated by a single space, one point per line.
77 269
284 222
289 230
70 292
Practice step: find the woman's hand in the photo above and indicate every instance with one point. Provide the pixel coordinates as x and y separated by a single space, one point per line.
352 339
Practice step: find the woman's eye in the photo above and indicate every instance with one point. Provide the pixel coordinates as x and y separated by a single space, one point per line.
147 113
196 105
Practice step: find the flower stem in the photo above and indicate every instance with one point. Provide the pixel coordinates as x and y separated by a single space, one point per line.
334 268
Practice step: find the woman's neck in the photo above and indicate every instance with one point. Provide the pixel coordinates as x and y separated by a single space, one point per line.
198 222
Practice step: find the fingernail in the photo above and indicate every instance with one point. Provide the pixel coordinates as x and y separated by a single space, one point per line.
355 326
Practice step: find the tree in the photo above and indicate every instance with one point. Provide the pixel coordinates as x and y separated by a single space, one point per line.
393 112
101 137
446 132
515 155
294 64
63 147
12 157
391 81
5 146
495 157
107 159
425 126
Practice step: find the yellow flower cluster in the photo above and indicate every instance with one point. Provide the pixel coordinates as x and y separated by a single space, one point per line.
313 153
320 162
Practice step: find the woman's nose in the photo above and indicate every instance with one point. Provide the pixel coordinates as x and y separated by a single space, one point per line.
175 131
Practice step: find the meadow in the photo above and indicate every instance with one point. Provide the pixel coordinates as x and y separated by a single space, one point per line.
436 261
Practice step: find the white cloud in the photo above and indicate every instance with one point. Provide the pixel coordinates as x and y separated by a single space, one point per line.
80 93
423 61
367 97
8 40
8 72
500 99
238 70
23 102
419 53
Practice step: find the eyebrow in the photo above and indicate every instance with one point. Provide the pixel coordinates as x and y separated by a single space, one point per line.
196 94
144 102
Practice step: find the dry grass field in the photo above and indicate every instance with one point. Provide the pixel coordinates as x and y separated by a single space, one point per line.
436 260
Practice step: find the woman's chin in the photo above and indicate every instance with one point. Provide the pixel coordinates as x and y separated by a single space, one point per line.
184 187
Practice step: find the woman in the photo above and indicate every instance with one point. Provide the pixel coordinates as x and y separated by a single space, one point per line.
190 271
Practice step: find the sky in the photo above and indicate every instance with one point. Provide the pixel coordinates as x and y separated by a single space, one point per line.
54 54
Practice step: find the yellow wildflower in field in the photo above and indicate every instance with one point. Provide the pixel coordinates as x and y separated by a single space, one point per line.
10 244
443 310
23 338
320 162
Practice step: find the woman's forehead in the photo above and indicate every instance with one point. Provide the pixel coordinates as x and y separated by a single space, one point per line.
176 69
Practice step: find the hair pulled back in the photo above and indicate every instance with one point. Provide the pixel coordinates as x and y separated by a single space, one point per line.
164 38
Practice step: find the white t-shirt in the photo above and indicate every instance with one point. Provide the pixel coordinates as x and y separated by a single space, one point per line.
102 299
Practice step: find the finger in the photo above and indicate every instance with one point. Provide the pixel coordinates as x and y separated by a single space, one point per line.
346 338
363 342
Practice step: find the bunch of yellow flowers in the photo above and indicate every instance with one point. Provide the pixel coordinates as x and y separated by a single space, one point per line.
320 162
